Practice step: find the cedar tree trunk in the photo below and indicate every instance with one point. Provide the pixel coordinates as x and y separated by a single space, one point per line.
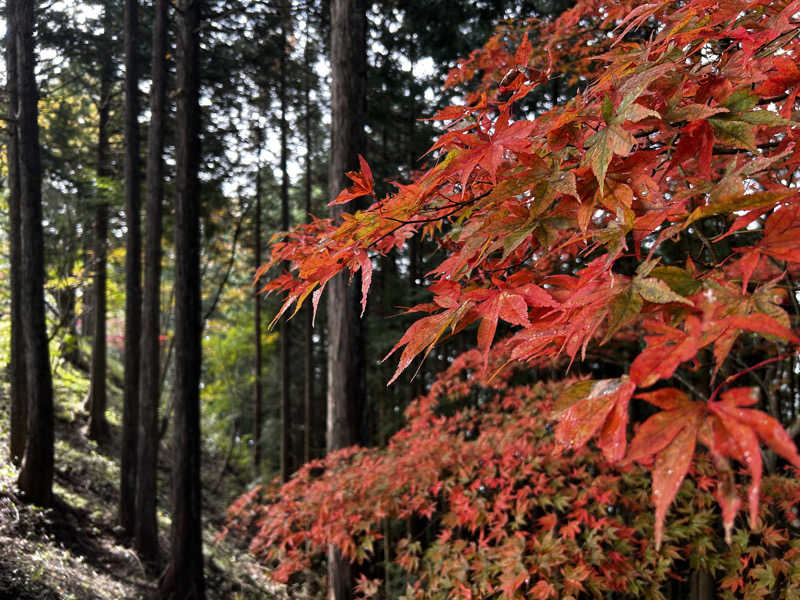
285 327
36 474
133 275
97 398
146 527
308 350
257 400
19 407
346 382
183 578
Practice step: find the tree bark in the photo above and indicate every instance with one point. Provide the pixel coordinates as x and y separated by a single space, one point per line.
257 399
285 326
417 385
146 527
36 474
346 389
346 399
701 586
18 392
308 350
183 578
133 275
97 397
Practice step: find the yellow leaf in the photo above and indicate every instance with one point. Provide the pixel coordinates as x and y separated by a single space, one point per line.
656 291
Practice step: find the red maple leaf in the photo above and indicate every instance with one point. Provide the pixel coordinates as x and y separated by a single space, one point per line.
670 437
362 184
603 409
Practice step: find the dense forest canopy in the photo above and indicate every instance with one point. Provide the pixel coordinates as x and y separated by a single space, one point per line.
540 259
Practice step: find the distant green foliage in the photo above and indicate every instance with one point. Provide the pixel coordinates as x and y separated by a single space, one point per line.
229 378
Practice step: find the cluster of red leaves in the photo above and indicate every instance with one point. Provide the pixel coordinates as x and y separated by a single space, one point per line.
691 123
504 513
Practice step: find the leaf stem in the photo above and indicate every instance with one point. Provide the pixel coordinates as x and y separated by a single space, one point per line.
735 376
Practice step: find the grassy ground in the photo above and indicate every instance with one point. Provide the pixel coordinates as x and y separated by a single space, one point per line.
75 550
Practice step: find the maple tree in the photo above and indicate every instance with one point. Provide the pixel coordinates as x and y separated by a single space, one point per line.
653 217
504 513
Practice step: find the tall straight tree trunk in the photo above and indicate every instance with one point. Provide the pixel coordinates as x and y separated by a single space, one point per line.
146 526
417 385
285 327
701 586
183 578
308 350
257 400
346 382
133 275
36 474
97 397
19 406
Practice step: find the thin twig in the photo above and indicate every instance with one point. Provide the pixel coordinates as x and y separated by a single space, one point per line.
736 376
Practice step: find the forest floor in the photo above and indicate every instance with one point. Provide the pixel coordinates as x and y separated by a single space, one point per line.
75 550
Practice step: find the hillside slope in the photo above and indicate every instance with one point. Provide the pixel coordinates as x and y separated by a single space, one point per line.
75 550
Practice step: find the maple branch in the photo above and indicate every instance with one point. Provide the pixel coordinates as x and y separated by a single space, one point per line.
705 241
736 376
401 222
451 202
717 150
729 151
385 235
780 98
519 263
457 207
761 381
